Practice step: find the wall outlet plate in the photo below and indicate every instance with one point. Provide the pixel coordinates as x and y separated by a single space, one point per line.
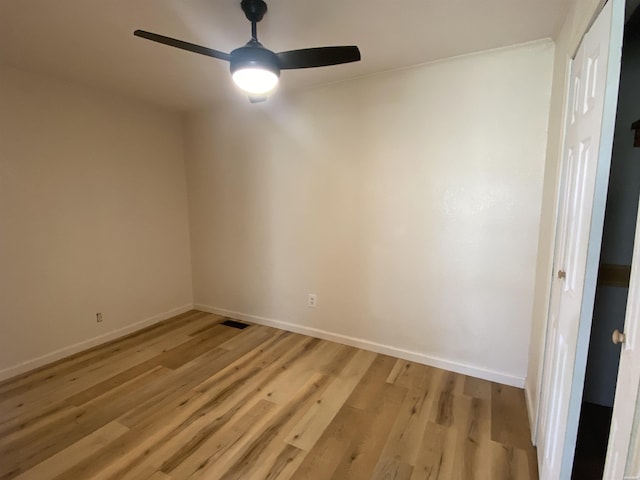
312 300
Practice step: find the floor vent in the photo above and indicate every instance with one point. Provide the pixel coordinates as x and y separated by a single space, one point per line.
232 323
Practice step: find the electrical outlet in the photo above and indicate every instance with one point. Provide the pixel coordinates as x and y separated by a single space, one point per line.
312 300
99 317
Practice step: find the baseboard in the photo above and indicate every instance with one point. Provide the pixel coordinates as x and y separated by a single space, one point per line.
533 424
417 357
92 342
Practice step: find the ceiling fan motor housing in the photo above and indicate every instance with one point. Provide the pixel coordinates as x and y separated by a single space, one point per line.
254 57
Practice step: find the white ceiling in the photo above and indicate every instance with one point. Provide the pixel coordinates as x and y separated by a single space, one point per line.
91 42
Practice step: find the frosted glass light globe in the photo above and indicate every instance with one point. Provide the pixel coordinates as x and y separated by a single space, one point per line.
256 81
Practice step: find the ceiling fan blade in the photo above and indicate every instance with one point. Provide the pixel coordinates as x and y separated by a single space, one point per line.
318 57
191 47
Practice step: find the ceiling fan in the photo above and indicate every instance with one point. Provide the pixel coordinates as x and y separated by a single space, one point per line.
256 69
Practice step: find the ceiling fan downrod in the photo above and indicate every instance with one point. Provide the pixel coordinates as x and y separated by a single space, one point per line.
254 10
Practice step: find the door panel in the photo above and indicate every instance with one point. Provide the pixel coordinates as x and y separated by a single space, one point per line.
560 369
585 170
593 79
619 452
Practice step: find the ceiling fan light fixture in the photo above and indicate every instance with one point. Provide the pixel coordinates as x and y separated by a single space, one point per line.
255 81
255 69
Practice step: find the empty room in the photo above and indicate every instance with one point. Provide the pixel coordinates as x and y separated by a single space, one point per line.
309 240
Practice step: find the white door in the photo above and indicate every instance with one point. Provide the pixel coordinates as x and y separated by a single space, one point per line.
622 450
593 86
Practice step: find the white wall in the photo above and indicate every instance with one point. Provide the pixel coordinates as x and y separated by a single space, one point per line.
408 201
93 218
576 24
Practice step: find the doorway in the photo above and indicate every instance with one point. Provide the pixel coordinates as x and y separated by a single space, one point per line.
615 266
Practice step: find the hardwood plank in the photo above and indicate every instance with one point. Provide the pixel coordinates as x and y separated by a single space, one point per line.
248 334
372 385
186 448
189 465
71 455
436 457
350 446
258 455
225 397
443 412
335 363
307 432
202 343
508 463
149 431
196 420
31 449
409 374
51 373
322 461
473 449
168 357
396 370
192 399
292 378
361 457
159 476
285 464
477 388
403 441
129 452
211 368
84 379
21 427
392 469
510 424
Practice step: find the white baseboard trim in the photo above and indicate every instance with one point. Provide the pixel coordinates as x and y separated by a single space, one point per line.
531 412
92 342
486 374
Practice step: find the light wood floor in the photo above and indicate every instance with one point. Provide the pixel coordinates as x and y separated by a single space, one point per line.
192 399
